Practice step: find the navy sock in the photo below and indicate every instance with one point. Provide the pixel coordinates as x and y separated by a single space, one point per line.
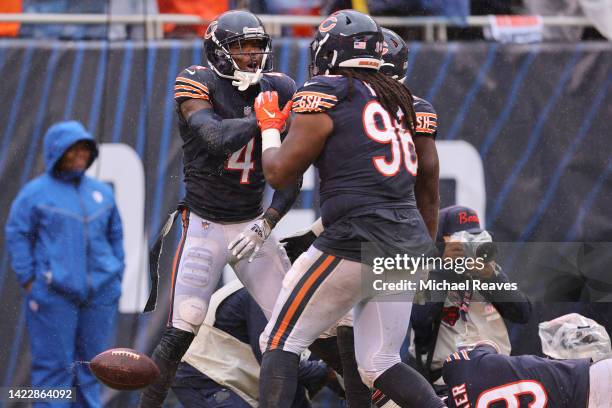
278 379
407 388
358 395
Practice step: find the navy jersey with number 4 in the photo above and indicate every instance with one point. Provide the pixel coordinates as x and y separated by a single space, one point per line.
227 187
367 169
482 378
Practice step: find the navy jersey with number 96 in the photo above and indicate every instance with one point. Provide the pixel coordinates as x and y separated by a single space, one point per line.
369 160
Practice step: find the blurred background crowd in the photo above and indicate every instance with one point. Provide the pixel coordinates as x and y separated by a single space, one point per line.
599 12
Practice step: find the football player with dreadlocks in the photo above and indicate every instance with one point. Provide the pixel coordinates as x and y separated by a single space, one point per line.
222 216
367 175
395 62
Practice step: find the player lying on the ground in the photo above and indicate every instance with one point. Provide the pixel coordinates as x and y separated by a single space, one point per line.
483 378
221 368
364 198
222 216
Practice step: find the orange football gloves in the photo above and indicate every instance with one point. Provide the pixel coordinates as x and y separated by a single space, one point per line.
268 114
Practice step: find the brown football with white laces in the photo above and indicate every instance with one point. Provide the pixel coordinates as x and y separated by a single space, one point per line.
124 369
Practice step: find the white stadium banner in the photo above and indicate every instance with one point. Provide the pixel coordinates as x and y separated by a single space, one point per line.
460 161
119 165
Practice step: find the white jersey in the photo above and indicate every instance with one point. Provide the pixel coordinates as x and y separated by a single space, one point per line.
481 322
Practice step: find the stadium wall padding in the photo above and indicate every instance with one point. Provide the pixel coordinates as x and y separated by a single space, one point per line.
539 115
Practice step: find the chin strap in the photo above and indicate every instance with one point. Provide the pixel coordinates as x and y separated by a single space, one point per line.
242 80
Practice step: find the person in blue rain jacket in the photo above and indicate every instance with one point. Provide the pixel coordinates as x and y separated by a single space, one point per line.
65 240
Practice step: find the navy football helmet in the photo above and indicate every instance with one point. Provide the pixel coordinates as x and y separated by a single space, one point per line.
236 27
347 38
394 55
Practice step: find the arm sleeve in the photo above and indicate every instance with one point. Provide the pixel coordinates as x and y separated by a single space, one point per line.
511 304
20 235
217 135
283 200
115 236
221 136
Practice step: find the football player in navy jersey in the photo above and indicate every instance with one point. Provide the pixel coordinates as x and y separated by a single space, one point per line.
482 378
426 188
367 169
222 216
395 61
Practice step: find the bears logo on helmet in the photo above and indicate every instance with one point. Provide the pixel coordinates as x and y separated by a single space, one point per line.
210 30
327 24
236 27
346 38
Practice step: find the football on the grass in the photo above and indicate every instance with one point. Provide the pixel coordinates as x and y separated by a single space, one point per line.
124 369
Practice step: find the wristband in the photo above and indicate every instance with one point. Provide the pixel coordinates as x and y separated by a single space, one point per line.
271 219
317 227
270 138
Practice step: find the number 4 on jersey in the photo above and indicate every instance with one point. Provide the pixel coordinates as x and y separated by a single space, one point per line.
242 160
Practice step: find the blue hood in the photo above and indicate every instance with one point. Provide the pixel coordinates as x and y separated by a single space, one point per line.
60 137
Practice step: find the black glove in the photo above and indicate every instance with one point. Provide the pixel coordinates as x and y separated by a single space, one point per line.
313 375
297 244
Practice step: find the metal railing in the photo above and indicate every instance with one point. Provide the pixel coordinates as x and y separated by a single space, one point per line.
435 28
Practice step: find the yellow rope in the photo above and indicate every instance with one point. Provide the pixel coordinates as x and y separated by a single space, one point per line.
361 5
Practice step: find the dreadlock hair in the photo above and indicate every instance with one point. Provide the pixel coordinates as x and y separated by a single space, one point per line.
391 93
